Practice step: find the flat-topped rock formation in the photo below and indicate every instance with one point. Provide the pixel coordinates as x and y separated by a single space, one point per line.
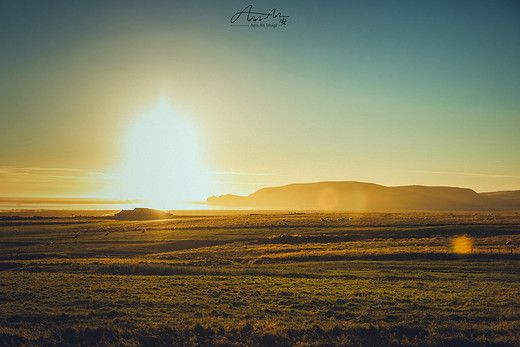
142 214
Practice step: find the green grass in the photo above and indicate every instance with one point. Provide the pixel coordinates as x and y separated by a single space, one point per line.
261 279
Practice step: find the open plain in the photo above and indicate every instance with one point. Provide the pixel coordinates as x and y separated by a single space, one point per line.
262 278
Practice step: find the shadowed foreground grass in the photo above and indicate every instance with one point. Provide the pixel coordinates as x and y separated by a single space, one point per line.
216 281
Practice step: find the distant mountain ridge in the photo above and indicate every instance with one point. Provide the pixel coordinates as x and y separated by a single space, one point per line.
351 195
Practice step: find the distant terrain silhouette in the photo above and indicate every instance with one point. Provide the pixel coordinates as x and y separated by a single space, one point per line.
142 214
351 195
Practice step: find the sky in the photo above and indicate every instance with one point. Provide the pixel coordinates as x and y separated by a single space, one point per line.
119 98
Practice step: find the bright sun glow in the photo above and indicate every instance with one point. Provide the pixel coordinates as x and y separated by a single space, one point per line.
161 163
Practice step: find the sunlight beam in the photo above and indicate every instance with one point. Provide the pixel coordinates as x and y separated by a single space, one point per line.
161 162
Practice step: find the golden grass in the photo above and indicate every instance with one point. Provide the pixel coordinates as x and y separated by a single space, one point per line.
262 279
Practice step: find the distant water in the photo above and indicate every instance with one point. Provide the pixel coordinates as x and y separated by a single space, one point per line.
13 206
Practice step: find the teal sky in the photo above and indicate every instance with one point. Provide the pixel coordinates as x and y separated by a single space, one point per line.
390 92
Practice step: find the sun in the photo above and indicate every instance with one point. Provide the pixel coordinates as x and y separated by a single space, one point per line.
161 161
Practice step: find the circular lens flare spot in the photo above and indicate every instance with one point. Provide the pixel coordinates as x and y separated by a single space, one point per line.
328 199
462 245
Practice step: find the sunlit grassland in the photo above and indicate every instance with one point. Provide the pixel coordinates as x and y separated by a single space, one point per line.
262 279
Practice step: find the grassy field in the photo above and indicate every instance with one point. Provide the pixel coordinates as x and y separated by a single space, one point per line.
262 279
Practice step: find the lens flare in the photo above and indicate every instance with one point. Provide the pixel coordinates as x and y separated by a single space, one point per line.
328 199
462 245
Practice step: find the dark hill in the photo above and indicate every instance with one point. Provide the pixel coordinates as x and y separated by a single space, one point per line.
368 196
142 214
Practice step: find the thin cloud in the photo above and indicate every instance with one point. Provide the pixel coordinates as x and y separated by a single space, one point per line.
237 183
467 174
19 174
239 173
